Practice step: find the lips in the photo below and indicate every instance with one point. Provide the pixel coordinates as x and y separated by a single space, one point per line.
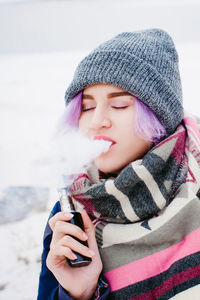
105 138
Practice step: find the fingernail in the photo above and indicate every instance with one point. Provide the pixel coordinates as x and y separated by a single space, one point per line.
68 215
73 256
91 252
85 236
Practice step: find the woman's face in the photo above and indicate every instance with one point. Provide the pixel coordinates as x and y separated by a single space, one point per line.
108 112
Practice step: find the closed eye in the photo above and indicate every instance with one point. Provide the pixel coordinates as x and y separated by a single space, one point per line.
87 107
120 107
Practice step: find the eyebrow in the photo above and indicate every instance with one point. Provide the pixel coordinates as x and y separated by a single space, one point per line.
110 95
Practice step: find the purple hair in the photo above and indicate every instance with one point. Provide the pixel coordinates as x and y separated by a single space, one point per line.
147 125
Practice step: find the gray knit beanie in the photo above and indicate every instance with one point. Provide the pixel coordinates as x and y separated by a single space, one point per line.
144 63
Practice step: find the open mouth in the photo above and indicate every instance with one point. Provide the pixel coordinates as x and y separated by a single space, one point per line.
104 138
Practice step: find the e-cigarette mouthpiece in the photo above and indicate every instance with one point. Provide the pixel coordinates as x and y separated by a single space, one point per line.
66 201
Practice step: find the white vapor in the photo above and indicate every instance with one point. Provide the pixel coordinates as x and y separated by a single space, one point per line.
69 153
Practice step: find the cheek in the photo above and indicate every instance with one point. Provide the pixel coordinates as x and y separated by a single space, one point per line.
127 128
133 145
82 122
83 125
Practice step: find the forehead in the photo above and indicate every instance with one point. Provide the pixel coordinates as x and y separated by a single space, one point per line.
104 90
103 87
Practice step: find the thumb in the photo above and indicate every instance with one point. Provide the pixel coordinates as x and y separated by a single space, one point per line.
88 225
89 230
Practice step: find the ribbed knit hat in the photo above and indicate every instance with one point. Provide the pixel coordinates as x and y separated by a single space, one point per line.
144 63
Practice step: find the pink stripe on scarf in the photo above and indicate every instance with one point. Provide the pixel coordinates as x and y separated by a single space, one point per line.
193 124
154 264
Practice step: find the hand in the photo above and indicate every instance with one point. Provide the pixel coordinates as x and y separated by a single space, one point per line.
80 282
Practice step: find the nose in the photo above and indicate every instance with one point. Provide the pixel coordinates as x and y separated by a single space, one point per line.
100 119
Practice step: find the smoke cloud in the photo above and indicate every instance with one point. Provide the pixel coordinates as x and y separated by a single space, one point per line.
69 153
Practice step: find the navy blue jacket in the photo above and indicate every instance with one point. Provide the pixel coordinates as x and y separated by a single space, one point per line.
49 288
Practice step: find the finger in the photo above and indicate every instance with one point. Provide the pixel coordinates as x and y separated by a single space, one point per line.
62 228
90 231
60 250
76 246
88 225
60 216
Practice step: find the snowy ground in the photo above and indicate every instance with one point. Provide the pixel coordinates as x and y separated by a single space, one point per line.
31 101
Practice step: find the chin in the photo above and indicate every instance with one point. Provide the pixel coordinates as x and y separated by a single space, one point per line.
106 167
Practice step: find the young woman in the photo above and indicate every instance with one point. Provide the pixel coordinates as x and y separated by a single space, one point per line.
142 207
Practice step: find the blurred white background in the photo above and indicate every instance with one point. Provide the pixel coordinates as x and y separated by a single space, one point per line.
41 43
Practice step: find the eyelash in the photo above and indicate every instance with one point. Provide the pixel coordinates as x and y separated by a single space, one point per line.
119 107
115 107
86 109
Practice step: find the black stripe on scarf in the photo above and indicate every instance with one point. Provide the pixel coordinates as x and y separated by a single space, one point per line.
180 288
133 187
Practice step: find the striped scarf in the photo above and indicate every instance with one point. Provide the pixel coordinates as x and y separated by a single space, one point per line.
148 220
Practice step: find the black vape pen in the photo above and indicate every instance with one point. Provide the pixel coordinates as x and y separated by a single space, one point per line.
67 205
